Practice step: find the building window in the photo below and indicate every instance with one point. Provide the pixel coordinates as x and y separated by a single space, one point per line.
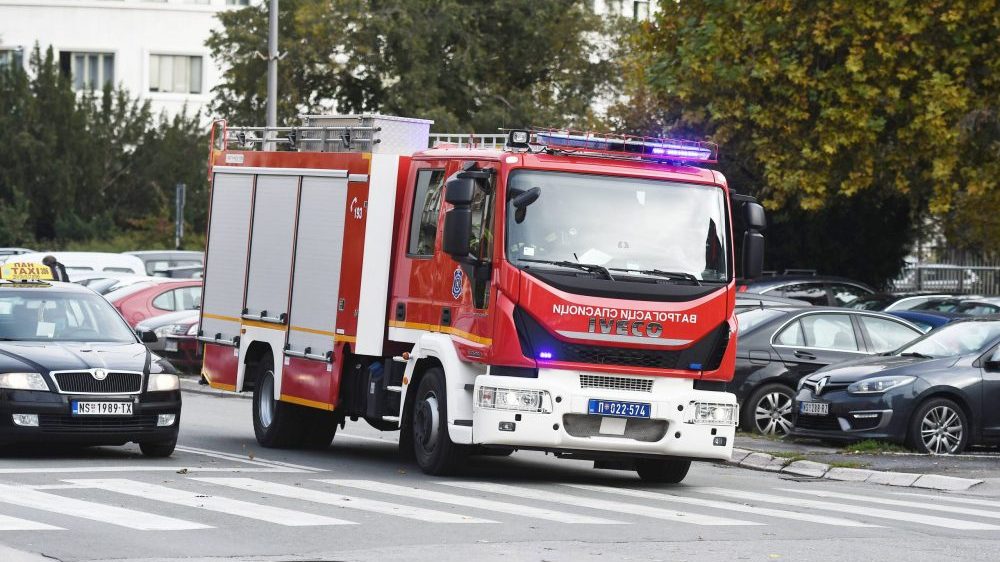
175 73
237 2
90 71
11 58
640 10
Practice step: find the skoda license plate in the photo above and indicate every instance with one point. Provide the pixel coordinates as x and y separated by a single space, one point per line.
619 409
814 408
102 408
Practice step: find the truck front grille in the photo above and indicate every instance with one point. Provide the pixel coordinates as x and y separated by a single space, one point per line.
616 383
84 382
604 355
639 429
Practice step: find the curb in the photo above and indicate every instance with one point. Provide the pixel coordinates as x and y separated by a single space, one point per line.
810 469
192 386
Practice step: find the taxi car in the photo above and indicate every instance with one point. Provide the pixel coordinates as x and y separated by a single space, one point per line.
72 371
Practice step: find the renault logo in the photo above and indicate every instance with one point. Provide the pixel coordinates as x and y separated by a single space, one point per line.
821 384
99 374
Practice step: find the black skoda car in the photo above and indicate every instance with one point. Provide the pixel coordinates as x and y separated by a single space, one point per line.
937 394
72 371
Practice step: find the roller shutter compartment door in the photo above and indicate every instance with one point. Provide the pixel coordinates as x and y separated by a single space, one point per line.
271 247
226 259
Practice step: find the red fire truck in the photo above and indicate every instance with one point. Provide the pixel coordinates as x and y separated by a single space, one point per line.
560 293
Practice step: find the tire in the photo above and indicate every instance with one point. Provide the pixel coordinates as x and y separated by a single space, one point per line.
433 448
158 449
320 429
662 471
768 411
939 427
276 424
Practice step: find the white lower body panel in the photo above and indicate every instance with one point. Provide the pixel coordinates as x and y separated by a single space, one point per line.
665 433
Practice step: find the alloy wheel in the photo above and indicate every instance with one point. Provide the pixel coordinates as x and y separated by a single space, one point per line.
773 414
941 430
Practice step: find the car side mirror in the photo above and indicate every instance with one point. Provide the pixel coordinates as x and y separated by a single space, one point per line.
993 363
147 336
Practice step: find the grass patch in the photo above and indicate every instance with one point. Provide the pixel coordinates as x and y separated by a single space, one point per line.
873 447
789 456
847 464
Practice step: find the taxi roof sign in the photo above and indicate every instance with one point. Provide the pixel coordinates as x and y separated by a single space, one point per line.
25 271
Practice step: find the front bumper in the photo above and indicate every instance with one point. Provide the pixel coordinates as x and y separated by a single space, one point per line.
569 427
853 417
58 424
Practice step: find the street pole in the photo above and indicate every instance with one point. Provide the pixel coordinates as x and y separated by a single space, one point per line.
272 70
179 215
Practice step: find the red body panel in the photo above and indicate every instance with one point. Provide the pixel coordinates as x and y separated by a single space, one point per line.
220 366
311 383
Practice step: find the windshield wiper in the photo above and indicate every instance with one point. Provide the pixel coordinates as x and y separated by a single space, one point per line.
588 267
915 354
660 273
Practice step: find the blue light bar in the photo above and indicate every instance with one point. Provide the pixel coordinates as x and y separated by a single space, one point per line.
648 148
545 355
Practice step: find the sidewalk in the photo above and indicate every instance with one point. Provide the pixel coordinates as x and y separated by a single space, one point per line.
895 468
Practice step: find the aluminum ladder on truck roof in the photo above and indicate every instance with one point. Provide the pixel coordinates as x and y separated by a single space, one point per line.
336 133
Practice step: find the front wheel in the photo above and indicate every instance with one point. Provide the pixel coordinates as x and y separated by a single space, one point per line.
158 449
662 471
433 448
939 427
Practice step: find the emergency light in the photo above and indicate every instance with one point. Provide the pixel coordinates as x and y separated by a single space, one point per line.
646 148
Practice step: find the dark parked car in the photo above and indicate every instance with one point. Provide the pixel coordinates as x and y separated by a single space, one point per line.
176 338
754 300
938 394
927 320
973 306
779 346
820 291
889 302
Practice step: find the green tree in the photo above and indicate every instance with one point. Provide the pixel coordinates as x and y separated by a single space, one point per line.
819 103
469 65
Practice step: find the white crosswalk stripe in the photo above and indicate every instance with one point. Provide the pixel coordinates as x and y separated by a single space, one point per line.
350 502
593 503
276 515
930 506
852 509
767 512
26 497
8 523
465 501
952 499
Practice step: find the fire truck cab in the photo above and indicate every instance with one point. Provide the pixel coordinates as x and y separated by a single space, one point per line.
560 293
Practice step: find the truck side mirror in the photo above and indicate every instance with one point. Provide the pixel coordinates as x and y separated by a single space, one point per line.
457 240
754 217
458 191
753 254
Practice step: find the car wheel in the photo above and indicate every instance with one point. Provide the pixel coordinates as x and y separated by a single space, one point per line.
158 449
662 471
433 448
939 427
769 411
275 423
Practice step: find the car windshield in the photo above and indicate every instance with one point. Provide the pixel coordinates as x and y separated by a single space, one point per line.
955 339
626 225
39 315
750 319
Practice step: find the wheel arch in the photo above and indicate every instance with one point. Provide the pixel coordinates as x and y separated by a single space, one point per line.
955 397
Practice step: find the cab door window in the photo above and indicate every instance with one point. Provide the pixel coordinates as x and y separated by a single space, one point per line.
482 242
426 207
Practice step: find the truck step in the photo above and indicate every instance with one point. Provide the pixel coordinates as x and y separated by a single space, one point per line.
394 388
394 419
400 359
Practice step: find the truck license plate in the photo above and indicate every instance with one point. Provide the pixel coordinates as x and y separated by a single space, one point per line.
619 408
814 408
102 408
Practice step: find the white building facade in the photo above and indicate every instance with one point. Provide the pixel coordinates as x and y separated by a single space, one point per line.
154 48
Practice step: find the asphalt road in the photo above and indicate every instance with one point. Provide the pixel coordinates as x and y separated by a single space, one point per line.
221 497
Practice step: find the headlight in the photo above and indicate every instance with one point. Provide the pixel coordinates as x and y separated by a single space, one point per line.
171 330
193 330
512 399
23 381
712 413
163 381
876 385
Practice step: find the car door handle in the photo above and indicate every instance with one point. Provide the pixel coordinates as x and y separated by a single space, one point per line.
804 355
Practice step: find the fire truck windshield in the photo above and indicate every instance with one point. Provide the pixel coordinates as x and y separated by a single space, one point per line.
629 226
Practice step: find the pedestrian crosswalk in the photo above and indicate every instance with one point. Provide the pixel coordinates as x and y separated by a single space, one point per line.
194 503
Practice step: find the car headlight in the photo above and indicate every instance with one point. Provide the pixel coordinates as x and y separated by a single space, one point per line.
163 381
876 385
171 330
193 330
23 381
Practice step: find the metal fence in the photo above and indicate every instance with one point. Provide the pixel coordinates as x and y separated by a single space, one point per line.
951 272
469 140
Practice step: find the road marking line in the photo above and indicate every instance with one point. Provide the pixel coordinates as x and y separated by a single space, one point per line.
852 509
277 515
8 523
669 497
17 495
953 499
79 469
900 503
592 503
245 459
476 503
350 502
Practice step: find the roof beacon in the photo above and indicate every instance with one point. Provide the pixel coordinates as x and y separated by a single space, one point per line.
644 148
